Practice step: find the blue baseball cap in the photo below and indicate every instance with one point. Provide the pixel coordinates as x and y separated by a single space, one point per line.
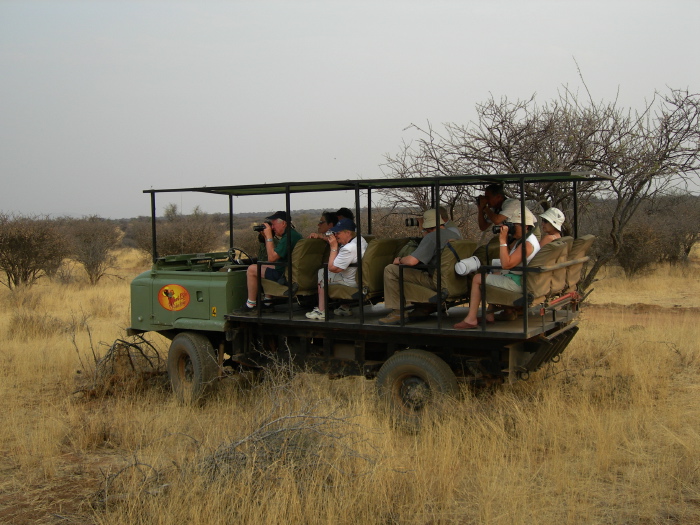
343 224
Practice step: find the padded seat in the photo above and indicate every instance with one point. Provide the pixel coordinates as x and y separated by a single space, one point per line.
455 287
559 275
579 250
307 257
539 285
488 252
379 253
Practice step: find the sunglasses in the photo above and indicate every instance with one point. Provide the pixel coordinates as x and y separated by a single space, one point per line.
322 222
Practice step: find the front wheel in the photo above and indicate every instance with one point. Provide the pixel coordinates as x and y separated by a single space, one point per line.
409 382
192 366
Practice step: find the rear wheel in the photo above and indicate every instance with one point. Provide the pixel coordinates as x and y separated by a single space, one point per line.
410 382
192 366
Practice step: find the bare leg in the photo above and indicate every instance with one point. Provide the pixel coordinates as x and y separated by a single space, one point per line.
252 280
475 302
321 298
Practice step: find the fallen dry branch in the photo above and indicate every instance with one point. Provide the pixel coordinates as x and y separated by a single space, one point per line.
126 366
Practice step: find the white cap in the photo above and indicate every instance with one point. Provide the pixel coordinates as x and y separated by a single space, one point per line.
514 217
511 210
555 217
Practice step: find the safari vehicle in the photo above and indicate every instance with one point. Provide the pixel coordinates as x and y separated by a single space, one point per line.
191 300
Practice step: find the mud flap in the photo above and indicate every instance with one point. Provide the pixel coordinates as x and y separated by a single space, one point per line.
550 347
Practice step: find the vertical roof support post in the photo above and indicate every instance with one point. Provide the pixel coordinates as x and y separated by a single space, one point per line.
326 293
438 251
575 191
524 252
288 233
230 221
369 211
153 226
358 240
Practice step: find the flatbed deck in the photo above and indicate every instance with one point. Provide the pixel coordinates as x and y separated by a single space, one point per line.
432 326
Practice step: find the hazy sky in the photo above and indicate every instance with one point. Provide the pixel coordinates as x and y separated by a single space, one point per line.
100 100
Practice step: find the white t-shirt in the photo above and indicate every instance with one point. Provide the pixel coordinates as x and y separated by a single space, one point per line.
347 255
532 239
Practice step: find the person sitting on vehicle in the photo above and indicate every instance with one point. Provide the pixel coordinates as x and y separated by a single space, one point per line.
425 253
343 253
510 257
552 222
262 247
275 224
345 213
490 204
449 223
328 220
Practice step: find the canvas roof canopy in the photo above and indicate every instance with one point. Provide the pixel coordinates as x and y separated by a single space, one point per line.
387 183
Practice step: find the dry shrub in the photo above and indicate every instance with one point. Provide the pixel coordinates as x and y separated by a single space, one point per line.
29 248
196 233
102 306
247 240
23 297
27 324
92 241
65 274
127 368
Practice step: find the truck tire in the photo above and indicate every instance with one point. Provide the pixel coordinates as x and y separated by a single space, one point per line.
192 366
410 381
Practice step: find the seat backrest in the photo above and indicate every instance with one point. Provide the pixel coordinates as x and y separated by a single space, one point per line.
488 252
541 283
456 285
379 254
559 276
405 246
579 249
307 258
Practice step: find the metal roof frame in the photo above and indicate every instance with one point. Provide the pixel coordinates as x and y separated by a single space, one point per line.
386 183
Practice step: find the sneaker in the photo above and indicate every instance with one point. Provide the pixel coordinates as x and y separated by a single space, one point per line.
422 312
268 307
316 314
393 318
246 310
343 312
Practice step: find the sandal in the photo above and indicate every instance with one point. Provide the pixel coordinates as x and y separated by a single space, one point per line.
465 326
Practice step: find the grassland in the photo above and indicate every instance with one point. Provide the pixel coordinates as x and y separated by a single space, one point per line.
610 434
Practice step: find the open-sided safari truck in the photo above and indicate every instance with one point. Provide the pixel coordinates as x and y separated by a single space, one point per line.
191 299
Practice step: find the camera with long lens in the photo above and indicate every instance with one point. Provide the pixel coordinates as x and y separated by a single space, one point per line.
261 227
497 227
412 221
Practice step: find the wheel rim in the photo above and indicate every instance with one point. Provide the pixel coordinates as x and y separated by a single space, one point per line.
185 370
411 393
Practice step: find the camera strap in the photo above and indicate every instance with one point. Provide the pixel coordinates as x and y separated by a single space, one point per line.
452 249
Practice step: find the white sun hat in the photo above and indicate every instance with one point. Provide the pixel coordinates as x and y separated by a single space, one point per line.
515 217
555 217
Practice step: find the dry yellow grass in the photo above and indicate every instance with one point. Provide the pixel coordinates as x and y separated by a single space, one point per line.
611 434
